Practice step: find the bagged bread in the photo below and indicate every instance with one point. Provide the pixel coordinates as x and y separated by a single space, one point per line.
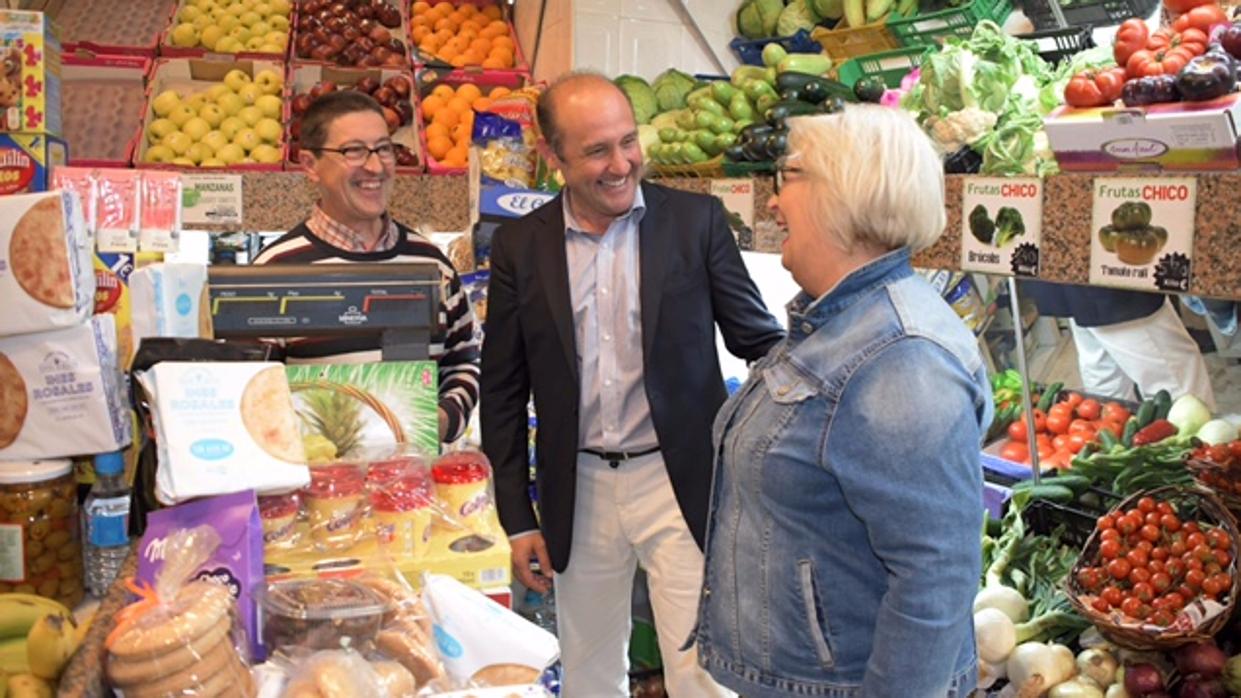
46 278
222 428
168 301
60 393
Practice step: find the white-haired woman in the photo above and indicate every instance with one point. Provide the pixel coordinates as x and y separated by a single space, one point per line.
842 555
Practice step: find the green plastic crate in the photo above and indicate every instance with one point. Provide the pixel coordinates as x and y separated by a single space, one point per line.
889 66
932 28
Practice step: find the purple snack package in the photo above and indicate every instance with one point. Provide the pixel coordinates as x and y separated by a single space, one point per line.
237 563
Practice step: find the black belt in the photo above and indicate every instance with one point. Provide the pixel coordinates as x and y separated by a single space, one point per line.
615 457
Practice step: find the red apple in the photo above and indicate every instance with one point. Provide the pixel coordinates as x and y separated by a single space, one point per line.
405 110
394 45
295 129
389 17
368 85
399 84
393 119
395 61
380 34
303 44
322 52
302 102
322 88
351 33
365 12
365 26
385 96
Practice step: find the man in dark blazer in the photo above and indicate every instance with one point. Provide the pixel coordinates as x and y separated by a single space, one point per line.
603 304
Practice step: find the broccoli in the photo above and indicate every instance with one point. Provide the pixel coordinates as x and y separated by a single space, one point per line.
1008 225
981 225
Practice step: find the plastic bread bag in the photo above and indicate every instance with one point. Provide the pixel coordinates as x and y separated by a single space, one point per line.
181 637
336 674
407 637
465 500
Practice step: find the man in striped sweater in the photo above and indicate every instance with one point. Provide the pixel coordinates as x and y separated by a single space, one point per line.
347 153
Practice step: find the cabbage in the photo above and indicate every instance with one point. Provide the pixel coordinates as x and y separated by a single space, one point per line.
1189 413
796 15
671 88
640 95
1217 431
750 21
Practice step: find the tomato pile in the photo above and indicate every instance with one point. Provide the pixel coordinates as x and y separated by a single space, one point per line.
1063 430
1227 456
1150 564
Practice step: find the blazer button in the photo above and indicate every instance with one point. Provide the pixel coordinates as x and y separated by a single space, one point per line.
782 390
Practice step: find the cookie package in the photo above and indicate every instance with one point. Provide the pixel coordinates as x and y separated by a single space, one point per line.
46 276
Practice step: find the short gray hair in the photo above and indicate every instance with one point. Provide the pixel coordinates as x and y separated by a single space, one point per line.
875 176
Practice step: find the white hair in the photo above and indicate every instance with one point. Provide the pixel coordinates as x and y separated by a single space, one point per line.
875 176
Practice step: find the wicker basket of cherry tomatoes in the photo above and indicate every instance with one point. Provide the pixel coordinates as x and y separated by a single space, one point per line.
1159 570
1218 468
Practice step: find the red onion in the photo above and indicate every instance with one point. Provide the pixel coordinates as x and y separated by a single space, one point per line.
1202 658
1201 688
1143 679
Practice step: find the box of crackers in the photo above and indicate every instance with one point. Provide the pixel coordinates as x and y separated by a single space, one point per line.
46 278
29 73
26 161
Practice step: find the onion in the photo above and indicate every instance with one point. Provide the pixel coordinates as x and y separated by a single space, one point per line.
1201 688
1143 679
1202 658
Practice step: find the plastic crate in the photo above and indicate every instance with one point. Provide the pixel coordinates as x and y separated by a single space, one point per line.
932 28
748 169
889 66
750 51
1093 13
1055 45
843 44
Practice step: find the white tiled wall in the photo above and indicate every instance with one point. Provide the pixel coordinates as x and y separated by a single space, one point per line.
646 37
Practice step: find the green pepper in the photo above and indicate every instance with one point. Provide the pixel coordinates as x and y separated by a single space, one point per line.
981 225
1107 237
1131 215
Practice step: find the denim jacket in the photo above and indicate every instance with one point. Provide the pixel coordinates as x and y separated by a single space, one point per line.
842 553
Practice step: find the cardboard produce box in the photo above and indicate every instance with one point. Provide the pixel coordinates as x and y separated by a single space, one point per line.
29 73
104 102
271 42
1174 136
130 28
487 82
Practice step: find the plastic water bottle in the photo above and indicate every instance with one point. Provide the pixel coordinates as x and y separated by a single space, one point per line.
105 524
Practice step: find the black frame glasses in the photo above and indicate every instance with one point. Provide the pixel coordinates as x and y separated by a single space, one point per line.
783 169
360 154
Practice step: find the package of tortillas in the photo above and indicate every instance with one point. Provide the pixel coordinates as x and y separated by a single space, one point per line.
223 427
61 393
46 278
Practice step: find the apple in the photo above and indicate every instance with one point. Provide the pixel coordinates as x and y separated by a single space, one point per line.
322 88
241 34
236 79
231 153
277 37
260 28
269 81
215 140
180 114
249 93
399 85
229 44
210 36
230 126
159 153
230 103
303 44
196 102
228 23
269 130
270 105
368 85
406 111
380 34
160 128
393 119
263 9
178 142
280 7
255 45
202 23
385 96
189 13
321 52
165 102
215 91
279 23
183 162
265 153
196 128
301 103
184 35
212 162
212 114
295 129
246 138
199 152
250 18
251 115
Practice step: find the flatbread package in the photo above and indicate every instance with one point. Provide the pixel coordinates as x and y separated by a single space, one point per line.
46 278
60 393
223 428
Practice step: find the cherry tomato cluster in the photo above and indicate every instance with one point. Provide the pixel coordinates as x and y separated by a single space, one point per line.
1150 564
1229 457
1064 430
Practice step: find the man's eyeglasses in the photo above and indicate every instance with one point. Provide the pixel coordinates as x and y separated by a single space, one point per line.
359 154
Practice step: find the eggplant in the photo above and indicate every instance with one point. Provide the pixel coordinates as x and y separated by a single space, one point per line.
869 89
1206 77
1153 89
735 153
785 109
832 105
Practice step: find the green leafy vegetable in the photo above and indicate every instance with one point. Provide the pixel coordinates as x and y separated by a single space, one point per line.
981 225
671 89
640 95
1008 225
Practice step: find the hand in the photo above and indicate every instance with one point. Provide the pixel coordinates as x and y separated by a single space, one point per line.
524 547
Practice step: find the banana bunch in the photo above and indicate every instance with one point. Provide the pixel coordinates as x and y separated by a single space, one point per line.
38 636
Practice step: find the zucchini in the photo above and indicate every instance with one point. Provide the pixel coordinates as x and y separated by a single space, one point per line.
1131 428
1049 396
1106 440
813 88
807 63
788 108
1078 483
1146 413
1052 493
1163 404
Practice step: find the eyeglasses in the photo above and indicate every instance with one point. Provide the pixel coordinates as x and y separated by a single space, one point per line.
360 154
783 170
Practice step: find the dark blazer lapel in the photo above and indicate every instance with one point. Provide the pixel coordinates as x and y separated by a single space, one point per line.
554 274
653 244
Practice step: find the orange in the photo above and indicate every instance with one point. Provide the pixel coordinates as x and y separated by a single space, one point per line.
421 7
456 157
448 53
431 106
447 117
419 33
468 9
434 130
499 92
443 9
458 104
502 42
469 91
438 147
502 55
491 12
445 23
420 21
444 92
481 103
493 64
458 61
481 46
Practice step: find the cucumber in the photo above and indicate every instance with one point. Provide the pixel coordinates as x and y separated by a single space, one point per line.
723 92
1052 493
1131 428
704 102
1146 413
1163 404
739 107
1106 440
1078 483
1049 396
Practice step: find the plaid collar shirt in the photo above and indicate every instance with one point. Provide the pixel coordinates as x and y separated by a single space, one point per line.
343 237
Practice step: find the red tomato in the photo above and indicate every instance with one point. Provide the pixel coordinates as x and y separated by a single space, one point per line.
1059 441
1115 412
1202 18
1058 424
1082 426
1179 6
1015 451
1119 568
1113 595
1089 409
1017 430
1094 89
1074 399
1077 442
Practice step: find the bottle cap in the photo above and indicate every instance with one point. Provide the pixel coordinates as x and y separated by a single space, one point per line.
111 463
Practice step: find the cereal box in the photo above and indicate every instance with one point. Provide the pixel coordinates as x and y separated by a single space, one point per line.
29 73
27 159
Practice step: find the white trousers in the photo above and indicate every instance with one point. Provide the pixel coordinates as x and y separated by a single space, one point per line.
1155 353
624 517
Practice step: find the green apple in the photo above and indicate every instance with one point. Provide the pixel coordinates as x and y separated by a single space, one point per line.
231 153
216 91
189 13
269 81
184 162
235 79
269 130
227 22
210 36
265 153
271 48
158 153
255 44
279 23
215 140
178 142
230 103
196 102
160 128
196 128
165 101
270 105
251 115
199 152
280 7
202 22
184 35
247 139
212 114
212 162
228 45
240 33
181 114
230 126
250 93
260 28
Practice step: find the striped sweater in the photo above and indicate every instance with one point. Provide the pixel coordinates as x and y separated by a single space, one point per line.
455 347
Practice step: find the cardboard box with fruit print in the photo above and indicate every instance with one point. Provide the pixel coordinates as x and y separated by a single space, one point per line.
29 73
206 29
214 114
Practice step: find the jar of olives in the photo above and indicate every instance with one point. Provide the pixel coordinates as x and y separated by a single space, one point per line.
40 543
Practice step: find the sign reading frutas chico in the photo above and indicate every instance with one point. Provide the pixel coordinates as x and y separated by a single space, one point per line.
1142 233
1001 224
210 199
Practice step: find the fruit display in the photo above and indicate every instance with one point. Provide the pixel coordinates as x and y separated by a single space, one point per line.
358 33
131 27
221 26
448 110
38 636
464 35
393 90
213 114
101 105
